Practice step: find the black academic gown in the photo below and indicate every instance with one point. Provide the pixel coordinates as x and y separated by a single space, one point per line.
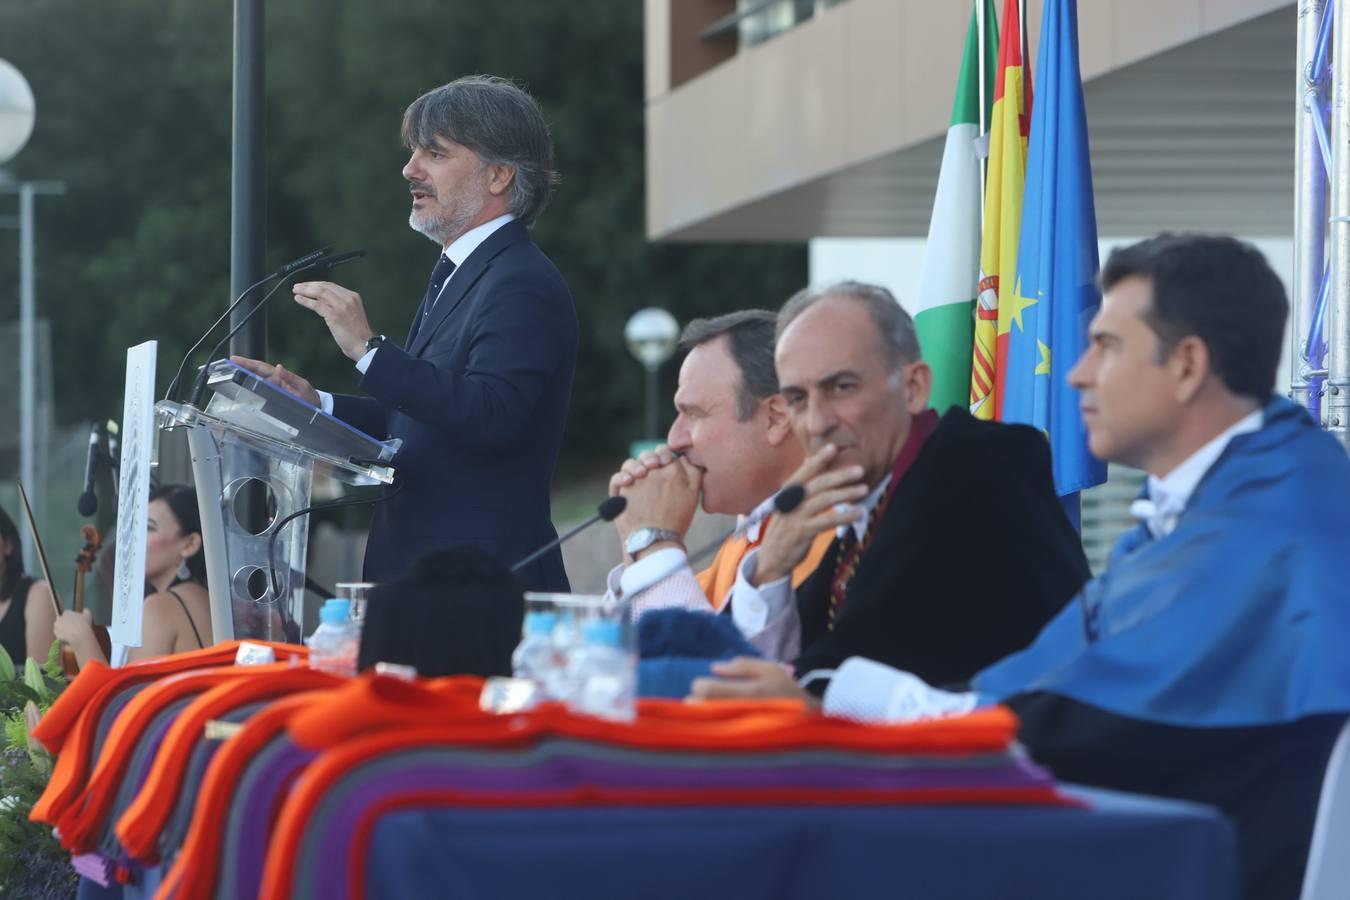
972 556
1266 779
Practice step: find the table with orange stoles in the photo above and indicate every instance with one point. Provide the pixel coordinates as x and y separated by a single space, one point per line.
381 787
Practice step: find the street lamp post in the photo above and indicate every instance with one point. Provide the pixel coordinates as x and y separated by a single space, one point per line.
17 115
651 334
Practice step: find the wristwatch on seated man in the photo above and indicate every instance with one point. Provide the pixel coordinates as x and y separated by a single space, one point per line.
643 539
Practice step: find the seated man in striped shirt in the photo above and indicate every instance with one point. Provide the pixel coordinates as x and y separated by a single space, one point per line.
735 450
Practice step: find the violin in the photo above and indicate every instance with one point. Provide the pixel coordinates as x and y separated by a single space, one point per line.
91 542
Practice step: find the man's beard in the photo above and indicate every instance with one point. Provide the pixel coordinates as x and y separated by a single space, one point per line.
446 228
443 229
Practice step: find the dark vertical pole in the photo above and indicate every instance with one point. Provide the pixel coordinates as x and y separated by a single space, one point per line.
248 206
248 197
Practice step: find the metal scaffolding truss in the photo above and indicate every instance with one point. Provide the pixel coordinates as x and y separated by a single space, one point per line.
1320 315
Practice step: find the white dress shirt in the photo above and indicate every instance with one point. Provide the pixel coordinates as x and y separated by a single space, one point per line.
1168 496
869 691
770 610
458 251
664 580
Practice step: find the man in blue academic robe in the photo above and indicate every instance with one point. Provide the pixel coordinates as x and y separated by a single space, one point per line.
1208 663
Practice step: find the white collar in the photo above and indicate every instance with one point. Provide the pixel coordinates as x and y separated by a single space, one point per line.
757 517
461 247
1168 496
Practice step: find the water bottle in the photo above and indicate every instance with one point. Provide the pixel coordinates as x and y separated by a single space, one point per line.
533 657
334 645
601 674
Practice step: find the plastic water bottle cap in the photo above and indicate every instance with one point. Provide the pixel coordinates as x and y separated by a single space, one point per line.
602 631
335 612
341 603
540 623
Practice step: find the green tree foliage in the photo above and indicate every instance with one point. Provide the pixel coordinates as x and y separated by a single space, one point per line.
134 115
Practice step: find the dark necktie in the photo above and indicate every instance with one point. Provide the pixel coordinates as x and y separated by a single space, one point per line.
445 267
850 553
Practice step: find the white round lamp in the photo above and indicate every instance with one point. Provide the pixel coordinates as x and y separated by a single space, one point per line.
17 111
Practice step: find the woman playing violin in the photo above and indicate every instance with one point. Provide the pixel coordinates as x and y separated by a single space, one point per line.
177 615
26 607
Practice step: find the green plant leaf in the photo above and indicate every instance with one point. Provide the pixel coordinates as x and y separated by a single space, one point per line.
6 665
32 676
53 666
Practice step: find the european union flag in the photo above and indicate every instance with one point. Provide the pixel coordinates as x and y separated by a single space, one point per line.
1056 294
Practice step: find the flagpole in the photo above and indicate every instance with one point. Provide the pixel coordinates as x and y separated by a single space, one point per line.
1026 61
980 29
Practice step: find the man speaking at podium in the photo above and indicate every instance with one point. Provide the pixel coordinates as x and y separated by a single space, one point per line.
479 391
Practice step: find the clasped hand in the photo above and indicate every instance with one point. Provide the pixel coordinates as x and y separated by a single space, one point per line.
662 491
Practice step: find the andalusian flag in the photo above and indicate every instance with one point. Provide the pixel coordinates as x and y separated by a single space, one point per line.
1057 264
1002 220
951 260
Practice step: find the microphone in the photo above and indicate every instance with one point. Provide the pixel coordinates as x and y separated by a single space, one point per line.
304 261
784 502
607 511
285 270
88 502
328 261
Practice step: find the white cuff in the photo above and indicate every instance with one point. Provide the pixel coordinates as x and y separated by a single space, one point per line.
364 362
613 582
652 568
325 402
871 692
753 608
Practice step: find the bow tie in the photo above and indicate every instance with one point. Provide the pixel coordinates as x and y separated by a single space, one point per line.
1160 515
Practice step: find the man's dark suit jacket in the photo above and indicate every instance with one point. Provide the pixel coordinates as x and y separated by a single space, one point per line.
972 556
479 398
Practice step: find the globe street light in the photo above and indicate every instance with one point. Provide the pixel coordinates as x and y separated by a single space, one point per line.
17 111
651 334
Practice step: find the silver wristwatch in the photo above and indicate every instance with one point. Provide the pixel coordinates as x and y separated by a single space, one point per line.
643 538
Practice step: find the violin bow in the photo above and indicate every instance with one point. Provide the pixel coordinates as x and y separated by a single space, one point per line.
37 544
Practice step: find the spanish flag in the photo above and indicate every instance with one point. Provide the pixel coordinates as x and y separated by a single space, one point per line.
1002 220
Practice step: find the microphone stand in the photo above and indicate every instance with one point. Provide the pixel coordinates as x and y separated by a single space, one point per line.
608 511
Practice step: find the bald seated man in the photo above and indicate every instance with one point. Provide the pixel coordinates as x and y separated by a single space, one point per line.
951 549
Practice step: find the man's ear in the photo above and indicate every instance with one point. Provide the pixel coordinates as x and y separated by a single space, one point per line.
918 381
500 177
780 426
1191 366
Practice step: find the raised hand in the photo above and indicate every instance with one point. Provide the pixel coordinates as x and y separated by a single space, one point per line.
788 537
342 311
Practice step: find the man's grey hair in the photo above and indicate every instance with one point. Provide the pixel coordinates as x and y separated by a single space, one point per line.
750 335
497 120
899 340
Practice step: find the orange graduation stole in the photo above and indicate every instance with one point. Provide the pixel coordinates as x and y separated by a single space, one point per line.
719 578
